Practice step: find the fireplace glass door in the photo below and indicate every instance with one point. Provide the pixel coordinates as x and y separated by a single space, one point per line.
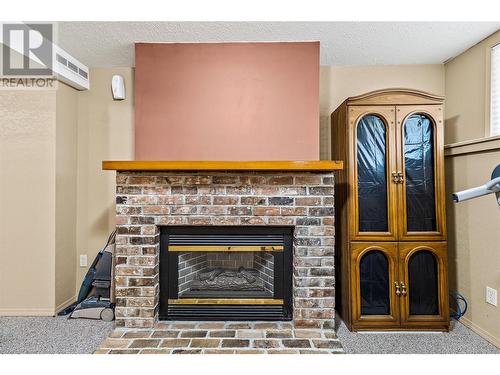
226 273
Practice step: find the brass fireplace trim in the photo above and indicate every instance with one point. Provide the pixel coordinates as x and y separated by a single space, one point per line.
225 301
225 248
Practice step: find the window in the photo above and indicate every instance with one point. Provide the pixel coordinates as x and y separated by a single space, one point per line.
495 91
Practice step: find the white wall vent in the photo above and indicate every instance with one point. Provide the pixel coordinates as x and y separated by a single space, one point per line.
69 70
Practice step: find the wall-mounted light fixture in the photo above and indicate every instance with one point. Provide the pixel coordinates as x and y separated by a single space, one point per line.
118 87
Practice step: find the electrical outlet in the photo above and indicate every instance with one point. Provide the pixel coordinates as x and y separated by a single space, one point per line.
491 296
83 260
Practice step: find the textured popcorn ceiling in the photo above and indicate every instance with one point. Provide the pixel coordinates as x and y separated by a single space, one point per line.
110 44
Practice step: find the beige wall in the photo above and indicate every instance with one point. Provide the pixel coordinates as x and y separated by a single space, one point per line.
27 202
55 201
474 226
337 83
467 87
66 153
474 240
105 132
37 200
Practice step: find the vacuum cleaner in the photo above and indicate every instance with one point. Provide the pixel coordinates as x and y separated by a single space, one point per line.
94 299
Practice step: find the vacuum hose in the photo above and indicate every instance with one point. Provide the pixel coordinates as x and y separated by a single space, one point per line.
490 187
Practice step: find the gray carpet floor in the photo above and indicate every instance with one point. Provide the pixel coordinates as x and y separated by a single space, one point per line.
460 340
60 335
46 335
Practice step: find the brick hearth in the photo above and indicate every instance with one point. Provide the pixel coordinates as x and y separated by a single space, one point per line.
221 338
148 200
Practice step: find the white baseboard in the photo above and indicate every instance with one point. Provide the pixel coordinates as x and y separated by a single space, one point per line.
36 311
26 312
481 332
66 303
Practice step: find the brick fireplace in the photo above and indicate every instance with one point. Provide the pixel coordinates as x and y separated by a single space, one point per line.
151 198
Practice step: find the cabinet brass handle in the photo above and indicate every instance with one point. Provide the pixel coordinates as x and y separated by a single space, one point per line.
403 289
400 177
398 292
395 177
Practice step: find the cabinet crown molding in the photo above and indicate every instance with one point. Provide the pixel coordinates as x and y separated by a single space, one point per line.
395 96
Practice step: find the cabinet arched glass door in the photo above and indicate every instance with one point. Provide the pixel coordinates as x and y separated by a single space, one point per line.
374 283
421 165
423 285
374 218
374 270
423 296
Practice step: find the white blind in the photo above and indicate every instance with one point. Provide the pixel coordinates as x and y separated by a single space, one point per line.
495 91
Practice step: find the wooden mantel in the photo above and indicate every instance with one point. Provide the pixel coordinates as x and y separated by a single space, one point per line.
306 166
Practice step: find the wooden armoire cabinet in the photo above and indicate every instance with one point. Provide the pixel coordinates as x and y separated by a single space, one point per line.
391 256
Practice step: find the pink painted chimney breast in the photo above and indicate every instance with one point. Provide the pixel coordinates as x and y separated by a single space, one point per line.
227 101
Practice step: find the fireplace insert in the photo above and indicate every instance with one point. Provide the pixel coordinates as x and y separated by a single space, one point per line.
226 273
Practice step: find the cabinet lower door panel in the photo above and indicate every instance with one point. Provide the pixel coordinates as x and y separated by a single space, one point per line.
374 272
423 274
